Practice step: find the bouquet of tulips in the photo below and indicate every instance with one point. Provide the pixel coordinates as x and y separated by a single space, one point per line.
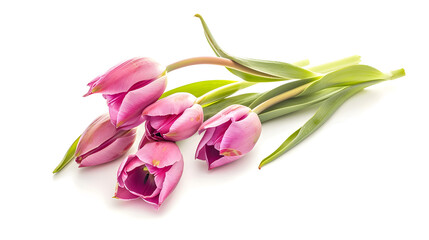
135 95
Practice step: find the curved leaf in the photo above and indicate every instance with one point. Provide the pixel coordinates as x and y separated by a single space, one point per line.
224 91
271 70
296 104
346 76
243 99
324 112
199 88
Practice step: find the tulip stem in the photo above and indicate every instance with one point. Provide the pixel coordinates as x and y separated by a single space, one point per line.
279 98
214 61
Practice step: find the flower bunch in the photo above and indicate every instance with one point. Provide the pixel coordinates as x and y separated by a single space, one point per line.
134 91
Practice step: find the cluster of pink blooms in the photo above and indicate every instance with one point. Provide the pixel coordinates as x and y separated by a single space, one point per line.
132 90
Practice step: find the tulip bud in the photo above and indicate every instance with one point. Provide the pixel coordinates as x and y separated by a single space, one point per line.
151 174
228 136
173 118
101 142
129 88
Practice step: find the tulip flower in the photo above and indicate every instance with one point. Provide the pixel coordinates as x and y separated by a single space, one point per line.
228 136
129 88
151 174
173 118
101 142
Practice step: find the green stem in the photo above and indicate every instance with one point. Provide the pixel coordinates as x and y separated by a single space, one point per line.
222 92
279 98
214 61
227 90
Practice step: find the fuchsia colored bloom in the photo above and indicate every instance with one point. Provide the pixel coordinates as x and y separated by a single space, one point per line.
173 118
101 142
229 135
129 88
151 174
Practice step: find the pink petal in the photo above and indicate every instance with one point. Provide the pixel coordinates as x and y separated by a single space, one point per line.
159 154
241 136
112 152
173 104
124 194
186 124
95 134
140 183
137 100
114 102
172 177
124 76
222 161
201 151
233 112
121 175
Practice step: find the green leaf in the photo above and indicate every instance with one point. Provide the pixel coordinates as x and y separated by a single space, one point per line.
271 70
324 112
346 76
296 104
224 91
199 88
68 156
278 90
243 99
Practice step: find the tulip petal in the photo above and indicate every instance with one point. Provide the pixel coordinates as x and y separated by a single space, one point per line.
123 77
233 113
241 136
137 100
159 154
170 105
124 194
109 153
186 124
141 183
95 134
222 161
144 140
201 149
172 177
114 102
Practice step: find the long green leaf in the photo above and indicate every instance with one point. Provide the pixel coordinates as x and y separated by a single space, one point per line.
243 99
346 76
224 91
296 104
68 156
324 112
199 88
273 70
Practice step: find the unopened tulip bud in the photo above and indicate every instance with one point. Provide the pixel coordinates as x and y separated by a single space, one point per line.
129 88
101 142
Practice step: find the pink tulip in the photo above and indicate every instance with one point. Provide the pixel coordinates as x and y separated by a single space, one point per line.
173 118
101 142
129 88
151 174
229 135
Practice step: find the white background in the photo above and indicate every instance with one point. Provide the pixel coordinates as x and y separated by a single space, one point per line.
363 175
